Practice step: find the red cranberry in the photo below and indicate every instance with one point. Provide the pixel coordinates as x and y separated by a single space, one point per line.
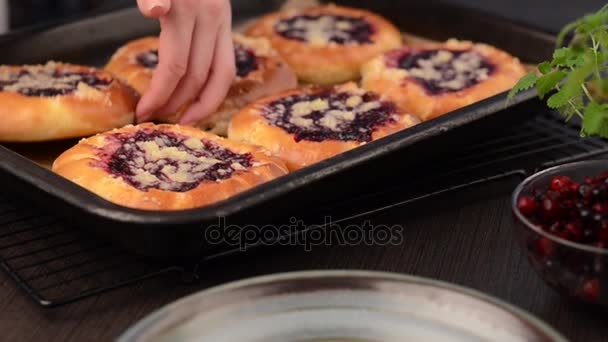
589 180
600 207
584 190
545 247
527 205
591 289
574 230
574 187
559 183
551 209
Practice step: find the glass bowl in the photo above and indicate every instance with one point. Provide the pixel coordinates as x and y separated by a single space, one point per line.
339 306
575 270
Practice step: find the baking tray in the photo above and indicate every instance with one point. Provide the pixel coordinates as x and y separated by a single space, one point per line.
305 193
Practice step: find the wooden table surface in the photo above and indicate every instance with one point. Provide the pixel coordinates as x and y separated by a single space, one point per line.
465 237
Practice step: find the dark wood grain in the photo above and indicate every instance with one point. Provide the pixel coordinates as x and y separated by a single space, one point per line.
465 237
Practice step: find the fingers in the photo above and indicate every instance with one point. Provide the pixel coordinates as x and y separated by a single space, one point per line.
174 48
221 77
154 8
199 65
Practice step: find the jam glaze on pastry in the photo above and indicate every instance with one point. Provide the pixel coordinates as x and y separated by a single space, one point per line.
166 167
434 79
260 72
327 44
59 101
313 123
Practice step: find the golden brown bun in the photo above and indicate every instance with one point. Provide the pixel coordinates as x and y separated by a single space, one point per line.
412 96
88 164
84 111
125 67
320 62
270 76
251 126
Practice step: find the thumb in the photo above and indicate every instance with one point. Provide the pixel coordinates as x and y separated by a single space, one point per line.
154 8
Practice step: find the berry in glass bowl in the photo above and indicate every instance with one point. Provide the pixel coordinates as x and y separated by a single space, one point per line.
562 215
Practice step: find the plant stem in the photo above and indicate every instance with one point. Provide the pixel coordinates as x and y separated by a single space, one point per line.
587 92
595 48
576 110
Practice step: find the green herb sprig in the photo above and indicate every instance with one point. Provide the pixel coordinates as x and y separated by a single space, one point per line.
576 77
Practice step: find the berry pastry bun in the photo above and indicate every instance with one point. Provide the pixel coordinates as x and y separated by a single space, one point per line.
309 124
327 44
433 79
59 101
166 167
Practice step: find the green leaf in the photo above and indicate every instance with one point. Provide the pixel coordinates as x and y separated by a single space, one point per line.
602 57
595 20
601 36
585 28
575 61
545 68
561 55
595 121
558 100
548 82
576 78
568 57
524 83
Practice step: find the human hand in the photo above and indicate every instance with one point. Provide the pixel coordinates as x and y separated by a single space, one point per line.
196 58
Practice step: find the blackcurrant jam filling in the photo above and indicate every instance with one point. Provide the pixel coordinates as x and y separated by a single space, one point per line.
324 29
330 116
444 71
48 82
148 59
246 62
150 159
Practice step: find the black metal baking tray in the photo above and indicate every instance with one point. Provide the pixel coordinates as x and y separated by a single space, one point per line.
307 192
